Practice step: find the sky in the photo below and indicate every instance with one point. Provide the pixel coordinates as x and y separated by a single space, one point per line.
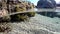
35 1
57 1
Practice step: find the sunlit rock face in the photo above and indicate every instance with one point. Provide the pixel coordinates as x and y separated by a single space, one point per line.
46 4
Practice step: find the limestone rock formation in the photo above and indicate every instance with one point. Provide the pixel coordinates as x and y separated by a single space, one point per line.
46 4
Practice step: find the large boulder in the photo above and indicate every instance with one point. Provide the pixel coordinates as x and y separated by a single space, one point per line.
22 6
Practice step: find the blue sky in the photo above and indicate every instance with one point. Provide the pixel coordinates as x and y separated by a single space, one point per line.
35 1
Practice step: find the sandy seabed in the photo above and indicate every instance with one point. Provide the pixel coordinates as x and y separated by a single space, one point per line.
36 25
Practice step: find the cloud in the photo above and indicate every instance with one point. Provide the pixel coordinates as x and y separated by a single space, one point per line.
57 1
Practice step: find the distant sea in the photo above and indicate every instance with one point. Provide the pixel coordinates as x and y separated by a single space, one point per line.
57 9
56 12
